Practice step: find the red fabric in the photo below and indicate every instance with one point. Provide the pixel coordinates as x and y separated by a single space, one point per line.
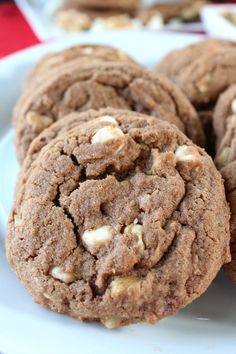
15 33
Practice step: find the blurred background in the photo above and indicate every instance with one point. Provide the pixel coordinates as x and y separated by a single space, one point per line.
27 22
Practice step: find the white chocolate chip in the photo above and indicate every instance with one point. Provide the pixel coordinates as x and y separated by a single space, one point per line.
57 273
39 121
98 237
187 153
233 106
136 231
202 84
125 285
111 323
108 119
156 22
222 159
88 50
47 296
106 134
18 221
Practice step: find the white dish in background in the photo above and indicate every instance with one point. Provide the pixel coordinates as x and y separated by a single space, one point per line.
206 326
40 15
215 24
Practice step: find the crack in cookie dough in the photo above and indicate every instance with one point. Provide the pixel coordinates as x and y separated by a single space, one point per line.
78 87
122 235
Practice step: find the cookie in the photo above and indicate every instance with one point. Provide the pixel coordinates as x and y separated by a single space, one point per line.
186 11
178 61
97 85
225 110
226 152
123 5
210 76
228 173
56 60
117 220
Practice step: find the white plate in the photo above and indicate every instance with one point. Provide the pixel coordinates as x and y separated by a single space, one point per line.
215 24
40 15
207 326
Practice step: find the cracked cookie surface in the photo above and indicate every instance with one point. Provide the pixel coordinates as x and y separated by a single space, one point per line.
117 220
119 85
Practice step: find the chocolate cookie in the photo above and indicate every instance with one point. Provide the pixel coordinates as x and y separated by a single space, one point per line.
225 128
56 60
118 84
203 71
225 110
175 64
117 220
210 75
229 175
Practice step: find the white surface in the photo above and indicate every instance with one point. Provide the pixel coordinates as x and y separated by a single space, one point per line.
207 326
215 24
40 15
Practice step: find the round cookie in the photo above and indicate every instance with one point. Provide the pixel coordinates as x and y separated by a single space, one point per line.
208 76
229 175
56 60
174 64
97 85
117 220
225 111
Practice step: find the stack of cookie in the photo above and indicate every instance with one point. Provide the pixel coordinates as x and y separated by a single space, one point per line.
116 212
206 72
76 15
